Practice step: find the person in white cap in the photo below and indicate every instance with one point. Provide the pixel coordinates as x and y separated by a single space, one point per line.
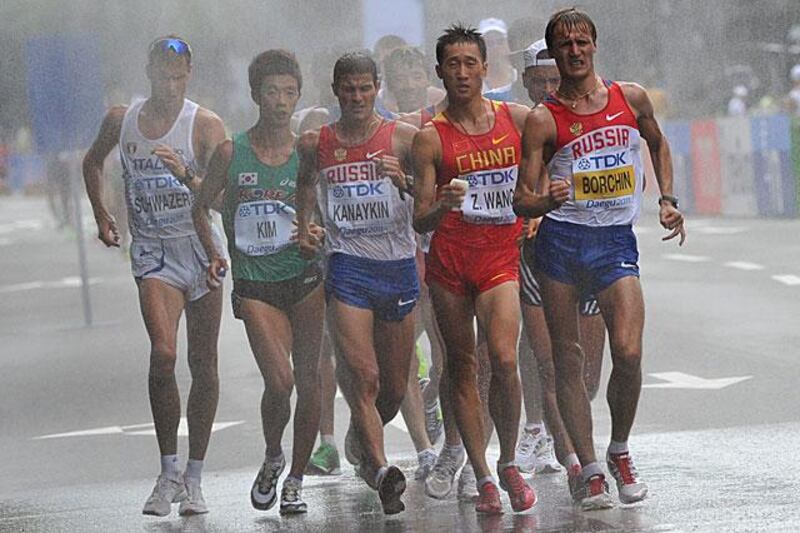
500 74
793 98
737 105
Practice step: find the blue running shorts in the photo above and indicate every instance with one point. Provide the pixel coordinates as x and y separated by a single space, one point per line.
389 288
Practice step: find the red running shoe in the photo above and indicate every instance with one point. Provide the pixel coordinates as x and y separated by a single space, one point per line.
519 492
488 499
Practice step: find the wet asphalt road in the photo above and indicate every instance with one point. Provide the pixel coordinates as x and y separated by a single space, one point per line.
717 426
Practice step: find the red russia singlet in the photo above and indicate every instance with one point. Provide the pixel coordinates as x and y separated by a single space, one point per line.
600 155
364 214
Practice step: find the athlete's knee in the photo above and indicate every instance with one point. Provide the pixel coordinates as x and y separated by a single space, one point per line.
307 380
279 381
504 368
203 368
394 392
627 357
365 382
567 360
460 365
162 360
547 375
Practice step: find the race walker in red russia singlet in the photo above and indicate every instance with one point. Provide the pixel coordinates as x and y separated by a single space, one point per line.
589 241
369 237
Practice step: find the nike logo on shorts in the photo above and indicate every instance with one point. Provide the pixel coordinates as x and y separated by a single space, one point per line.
627 265
370 155
612 117
401 303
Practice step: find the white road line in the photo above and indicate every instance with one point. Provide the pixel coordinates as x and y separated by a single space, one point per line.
719 230
681 380
141 429
744 265
65 283
686 258
787 279
30 224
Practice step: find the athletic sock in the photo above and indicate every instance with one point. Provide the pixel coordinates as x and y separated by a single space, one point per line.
328 439
592 469
503 466
484 480
194 468
537 428
616 448
299 479
571 460
454 450
379 475
425 452
169 467
273 458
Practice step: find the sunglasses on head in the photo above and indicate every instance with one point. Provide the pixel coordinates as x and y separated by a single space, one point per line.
171 44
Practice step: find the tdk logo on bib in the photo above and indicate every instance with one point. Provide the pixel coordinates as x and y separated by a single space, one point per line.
602 161
358 190
156 182
492 177
248 178
264 209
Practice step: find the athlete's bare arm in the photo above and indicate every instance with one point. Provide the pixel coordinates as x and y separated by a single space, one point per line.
107 139
669 215
210 188
519 113
538 141
399 166
209 131
306 192
427 157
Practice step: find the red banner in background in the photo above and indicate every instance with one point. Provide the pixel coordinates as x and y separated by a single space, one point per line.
707 174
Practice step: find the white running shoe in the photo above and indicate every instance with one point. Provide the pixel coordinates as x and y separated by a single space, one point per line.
467 484
439 482
426 460
194 503
166 492
291 499
631 489
264 494
526 451
546 462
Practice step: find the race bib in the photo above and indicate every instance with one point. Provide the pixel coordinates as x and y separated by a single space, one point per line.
606 180
490 195
160 201
263 228
361 207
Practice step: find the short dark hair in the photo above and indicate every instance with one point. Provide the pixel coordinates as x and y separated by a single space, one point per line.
161 47
270 63
405 56
456 34
389 41
568 18
358 62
